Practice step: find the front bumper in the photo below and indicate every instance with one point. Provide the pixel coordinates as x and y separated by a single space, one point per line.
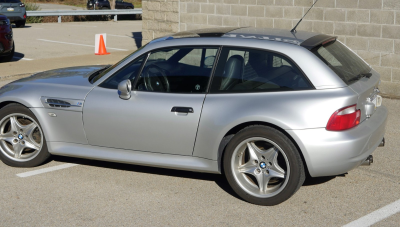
329 153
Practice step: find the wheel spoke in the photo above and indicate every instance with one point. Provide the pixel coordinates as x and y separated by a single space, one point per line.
32 145
248 167
254 151
275 168
28 129
263 180
271 153
8 136
277 174
15 125
18 148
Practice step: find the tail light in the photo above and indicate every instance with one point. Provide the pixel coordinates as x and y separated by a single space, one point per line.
22 5
25 16
345 118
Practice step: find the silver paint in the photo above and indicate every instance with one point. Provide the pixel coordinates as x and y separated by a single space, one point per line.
143 130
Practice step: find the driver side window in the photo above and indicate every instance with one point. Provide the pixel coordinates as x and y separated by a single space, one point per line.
130 71
178 70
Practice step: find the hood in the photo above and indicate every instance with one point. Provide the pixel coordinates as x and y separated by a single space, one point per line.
75 76
68 83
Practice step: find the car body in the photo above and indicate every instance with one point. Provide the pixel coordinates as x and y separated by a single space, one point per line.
259 105
14 10
105 4
6 39
120 4
98 4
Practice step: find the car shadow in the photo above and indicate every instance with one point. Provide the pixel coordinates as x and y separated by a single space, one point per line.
17 57
137 36
310 181
26 26
219 179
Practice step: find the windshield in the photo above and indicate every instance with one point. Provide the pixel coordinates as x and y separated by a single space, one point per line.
100 75
346 64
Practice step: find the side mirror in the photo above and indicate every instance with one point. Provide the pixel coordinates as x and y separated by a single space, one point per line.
124 89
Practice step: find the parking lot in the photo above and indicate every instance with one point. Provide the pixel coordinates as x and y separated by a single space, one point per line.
53 40
78 192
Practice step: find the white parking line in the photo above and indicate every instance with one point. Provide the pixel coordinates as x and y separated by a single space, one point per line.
45 170
376 216
26 59
83 26
78 44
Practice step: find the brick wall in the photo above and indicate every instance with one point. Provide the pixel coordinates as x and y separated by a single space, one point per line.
369 27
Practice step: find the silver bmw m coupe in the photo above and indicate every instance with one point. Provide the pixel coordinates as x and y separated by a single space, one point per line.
264 107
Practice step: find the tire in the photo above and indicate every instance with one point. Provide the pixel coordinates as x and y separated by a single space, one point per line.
20 24
258 154
8 57
20 131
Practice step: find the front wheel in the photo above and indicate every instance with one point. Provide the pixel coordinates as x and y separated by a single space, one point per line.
263 166
8 57
22 142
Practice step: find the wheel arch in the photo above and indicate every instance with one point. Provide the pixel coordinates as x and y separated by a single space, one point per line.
5 103
229 135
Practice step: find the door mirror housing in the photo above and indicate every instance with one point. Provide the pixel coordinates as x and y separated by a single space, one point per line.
124 89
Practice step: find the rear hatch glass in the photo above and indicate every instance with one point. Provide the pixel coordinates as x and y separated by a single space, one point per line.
357 74
344 62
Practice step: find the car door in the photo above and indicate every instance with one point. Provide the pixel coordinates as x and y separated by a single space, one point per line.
119 4
163 112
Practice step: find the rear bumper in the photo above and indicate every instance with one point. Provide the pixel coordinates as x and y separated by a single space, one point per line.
330 153
16 18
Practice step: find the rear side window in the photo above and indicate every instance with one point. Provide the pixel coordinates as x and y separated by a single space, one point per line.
248 70
346 64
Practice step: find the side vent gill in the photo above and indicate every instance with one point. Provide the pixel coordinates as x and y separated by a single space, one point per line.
62 103
58 103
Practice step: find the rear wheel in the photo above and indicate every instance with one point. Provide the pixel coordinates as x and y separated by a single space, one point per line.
22 142
8 57
20 24
263 166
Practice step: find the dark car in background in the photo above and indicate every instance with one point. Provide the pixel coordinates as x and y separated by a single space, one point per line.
15 11
120 4
98 4
6 40
105 4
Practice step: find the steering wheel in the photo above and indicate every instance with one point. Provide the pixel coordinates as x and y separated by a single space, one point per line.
155 79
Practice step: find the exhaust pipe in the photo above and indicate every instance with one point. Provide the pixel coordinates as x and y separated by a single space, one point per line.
382 144
368 161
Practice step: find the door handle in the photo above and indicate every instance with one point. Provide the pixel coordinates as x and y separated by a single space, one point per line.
180 109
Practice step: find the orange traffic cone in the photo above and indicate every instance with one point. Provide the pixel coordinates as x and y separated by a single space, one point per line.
102 47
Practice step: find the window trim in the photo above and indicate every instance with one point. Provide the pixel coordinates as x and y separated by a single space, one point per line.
312 87
218 47
124 67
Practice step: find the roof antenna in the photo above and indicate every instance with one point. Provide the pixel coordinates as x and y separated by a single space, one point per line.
294 29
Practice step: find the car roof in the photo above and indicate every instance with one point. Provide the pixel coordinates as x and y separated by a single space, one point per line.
301 38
